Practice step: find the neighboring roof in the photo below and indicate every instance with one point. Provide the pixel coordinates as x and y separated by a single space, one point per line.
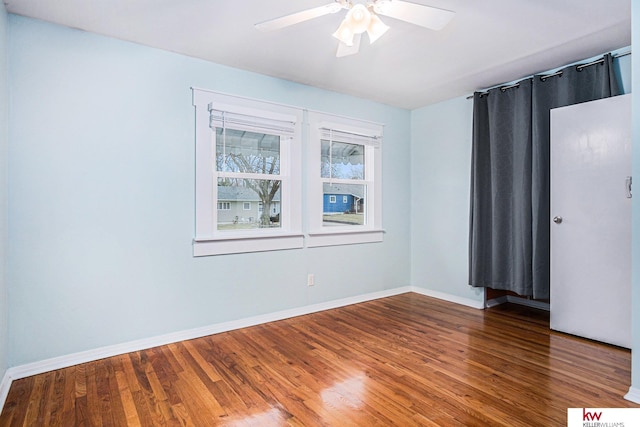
243 194
345 189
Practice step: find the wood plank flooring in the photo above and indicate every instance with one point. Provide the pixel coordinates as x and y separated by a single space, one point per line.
407 360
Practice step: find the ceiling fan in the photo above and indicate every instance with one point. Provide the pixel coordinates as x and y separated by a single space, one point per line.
363 17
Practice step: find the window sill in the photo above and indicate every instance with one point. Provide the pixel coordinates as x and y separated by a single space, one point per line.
344 237
245 244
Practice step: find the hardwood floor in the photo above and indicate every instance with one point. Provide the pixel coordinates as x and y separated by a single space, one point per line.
407 360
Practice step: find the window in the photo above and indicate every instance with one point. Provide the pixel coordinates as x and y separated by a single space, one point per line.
247 152
345 192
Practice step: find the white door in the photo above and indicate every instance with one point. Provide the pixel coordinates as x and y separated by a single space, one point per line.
591 220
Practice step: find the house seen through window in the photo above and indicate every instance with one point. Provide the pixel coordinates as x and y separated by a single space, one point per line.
240 157
342 172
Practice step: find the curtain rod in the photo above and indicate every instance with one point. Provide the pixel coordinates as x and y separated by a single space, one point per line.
557 73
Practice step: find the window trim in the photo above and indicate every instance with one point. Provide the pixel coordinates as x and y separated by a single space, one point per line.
370 232
208 239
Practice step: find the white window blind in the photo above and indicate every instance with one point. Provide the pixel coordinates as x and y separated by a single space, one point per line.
258 121
351 137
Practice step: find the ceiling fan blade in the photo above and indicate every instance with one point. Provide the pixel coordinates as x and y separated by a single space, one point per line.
345 50
295 18
429 17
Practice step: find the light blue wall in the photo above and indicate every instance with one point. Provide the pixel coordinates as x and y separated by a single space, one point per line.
635 66
440 179
101 199
440 171
4 165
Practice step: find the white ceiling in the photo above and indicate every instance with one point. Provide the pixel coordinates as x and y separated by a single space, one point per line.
487 43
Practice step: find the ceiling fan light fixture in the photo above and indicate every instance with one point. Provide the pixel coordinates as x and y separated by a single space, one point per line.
358 18
344 33
376 28
364 16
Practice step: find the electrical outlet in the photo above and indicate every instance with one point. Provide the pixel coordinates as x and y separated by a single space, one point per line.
310 280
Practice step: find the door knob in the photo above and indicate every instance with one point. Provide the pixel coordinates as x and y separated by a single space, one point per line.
557 219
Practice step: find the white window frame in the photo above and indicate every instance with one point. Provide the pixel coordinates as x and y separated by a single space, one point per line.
332 199
371 231
208 239
226 206
246 206
345 199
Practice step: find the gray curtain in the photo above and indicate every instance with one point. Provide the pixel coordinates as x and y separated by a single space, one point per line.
510 189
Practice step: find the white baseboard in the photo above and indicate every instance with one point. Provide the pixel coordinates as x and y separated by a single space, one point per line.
5 385
448 297
60 362
47 365
633 395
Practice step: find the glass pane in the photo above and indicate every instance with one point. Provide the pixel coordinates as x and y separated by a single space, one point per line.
248 203
341 160
249 152
343 204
